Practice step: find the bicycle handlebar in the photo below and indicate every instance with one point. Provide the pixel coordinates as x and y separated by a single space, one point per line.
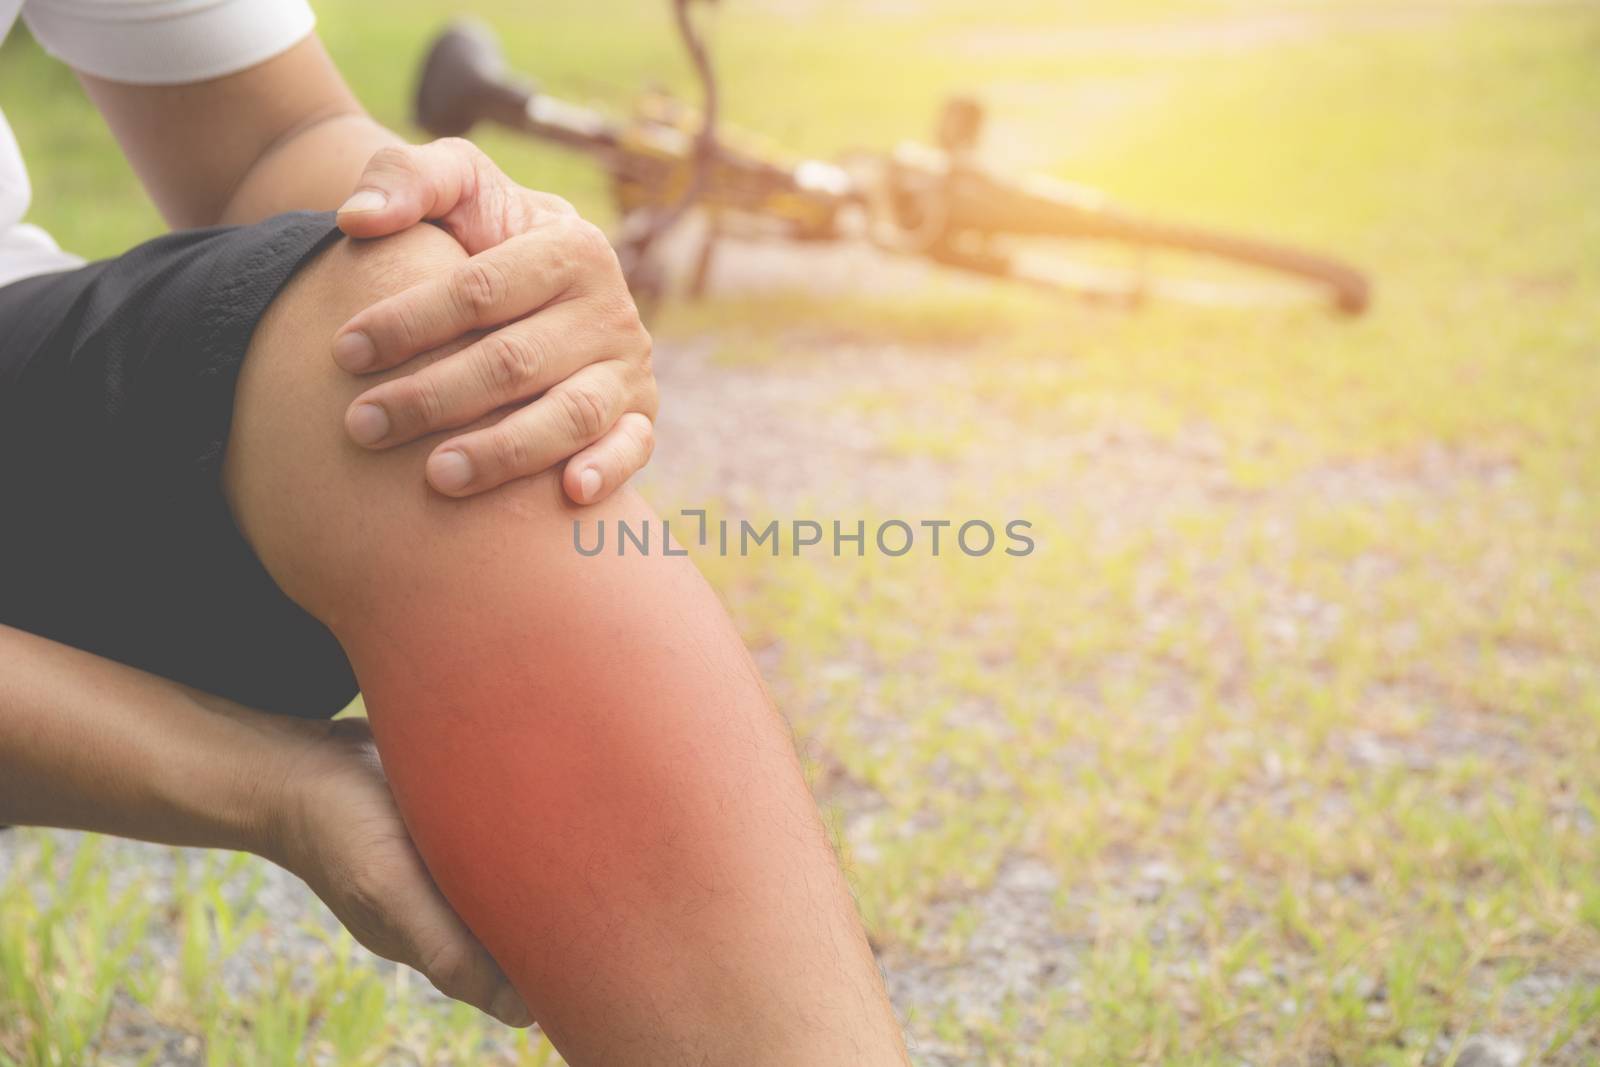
465 81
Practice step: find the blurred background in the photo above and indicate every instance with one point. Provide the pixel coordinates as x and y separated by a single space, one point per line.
1282 748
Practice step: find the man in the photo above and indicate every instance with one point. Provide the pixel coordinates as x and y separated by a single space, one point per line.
244 467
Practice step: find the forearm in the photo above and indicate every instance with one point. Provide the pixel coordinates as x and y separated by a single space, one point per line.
89 744
313 168
284 134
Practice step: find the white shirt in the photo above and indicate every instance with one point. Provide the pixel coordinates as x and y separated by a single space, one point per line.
146 42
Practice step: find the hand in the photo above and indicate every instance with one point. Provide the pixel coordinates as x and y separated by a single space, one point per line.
342 833
566 346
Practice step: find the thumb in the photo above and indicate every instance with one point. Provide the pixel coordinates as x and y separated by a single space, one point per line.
404 184
462 969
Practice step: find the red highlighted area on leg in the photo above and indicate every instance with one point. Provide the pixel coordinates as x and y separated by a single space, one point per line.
587 761
581 747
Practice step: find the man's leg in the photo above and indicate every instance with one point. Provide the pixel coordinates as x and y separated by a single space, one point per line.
582 748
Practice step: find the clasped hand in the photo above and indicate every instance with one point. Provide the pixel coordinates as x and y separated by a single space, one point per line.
565 355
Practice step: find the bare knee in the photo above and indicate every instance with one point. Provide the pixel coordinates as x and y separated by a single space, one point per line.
300 490
342 528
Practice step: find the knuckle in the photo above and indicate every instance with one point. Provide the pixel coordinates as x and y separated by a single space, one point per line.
555 205
509 361
480 286
509 452
622 316
645 346
422 401
650 403
589 244
605 256
447 966
644 435
397 158
408 323
461 145
585 411
366 891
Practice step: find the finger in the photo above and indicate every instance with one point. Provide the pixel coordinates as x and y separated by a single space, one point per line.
462 969
572 415
400 914
594 473
503 283
449 180
517 361
404 184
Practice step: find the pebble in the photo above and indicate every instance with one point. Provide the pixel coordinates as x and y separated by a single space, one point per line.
1486 1051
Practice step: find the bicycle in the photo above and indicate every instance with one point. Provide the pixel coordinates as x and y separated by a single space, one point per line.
937 202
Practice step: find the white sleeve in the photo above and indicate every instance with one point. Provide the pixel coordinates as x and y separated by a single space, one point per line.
166 42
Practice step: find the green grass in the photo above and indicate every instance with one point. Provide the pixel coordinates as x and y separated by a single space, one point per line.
1344 698
69 943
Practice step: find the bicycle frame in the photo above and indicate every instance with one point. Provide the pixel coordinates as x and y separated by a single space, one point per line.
937 203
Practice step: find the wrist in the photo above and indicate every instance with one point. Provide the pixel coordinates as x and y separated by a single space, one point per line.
244 791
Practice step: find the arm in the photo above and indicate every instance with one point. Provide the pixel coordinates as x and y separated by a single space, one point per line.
282 135
88 744
287 134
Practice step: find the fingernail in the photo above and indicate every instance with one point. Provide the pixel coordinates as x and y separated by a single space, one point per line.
354 352
588 484
509 1009
367 424
449 471
365 200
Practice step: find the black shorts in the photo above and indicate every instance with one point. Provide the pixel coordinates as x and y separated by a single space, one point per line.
116 394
